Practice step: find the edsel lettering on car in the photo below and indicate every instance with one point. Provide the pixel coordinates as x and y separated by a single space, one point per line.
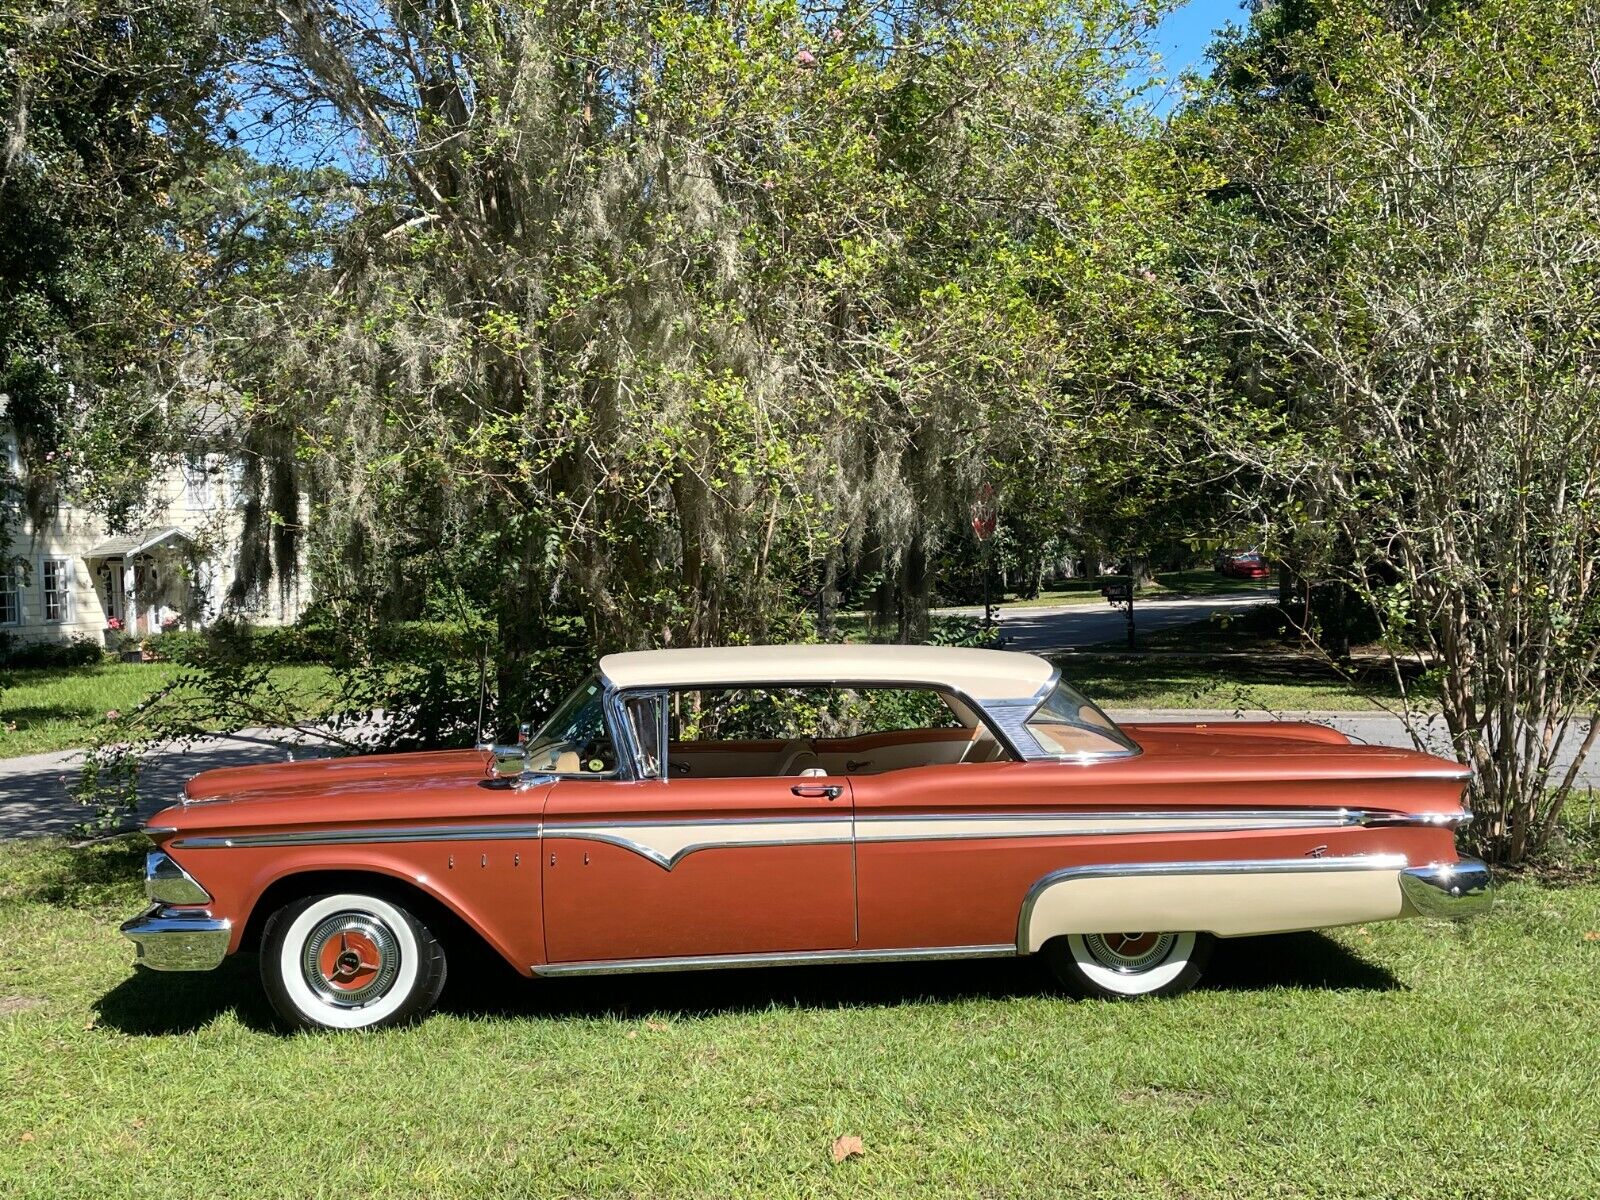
688 809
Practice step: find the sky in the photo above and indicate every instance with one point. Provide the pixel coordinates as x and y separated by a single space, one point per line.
1183 37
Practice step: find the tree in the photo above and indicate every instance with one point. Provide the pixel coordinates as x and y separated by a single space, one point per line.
105 108
1400 254
663 313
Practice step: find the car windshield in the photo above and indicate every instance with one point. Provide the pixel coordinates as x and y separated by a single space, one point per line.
574 739
1069 723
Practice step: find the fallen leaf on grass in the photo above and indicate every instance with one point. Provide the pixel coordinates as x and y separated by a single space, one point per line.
1592 935
847 1146
27 1137
656 1026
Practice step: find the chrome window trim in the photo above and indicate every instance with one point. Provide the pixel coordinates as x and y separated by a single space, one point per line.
1237 866
1014 714
978 707
700 962
635 751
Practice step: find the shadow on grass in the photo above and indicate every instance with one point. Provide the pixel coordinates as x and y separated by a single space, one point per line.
80 876
153 1003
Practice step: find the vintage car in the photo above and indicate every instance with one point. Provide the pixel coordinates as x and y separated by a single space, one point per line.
767 805
1242 564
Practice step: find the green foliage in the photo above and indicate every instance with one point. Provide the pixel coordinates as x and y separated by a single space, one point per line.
104 109
704 312
75 652
1395 264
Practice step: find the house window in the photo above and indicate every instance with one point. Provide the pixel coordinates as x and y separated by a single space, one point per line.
55 577
10 597
197 481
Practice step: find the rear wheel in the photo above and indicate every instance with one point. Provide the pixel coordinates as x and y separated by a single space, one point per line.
1125 965
350 961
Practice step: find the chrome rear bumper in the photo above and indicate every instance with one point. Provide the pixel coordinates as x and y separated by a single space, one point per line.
1449 891
177 940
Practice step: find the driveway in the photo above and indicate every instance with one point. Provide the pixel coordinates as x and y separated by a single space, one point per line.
1044 630
35 797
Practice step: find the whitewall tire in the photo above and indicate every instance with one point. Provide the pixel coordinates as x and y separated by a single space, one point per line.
1126 965
350 961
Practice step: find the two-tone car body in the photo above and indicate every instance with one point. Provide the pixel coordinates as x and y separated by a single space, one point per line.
810 804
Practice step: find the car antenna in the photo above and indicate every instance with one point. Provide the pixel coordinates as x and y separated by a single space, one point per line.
483 687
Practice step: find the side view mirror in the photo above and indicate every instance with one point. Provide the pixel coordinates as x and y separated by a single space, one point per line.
508 762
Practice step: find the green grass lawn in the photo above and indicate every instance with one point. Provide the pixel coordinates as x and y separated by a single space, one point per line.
61 708
1274 683
1399 1060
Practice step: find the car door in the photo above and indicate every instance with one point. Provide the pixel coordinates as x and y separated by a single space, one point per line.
680 868
946 853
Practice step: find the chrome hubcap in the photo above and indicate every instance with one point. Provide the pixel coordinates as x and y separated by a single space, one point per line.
1129 953
350 959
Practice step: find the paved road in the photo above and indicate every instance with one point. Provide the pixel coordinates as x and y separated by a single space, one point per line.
34 790
1073 626
34 800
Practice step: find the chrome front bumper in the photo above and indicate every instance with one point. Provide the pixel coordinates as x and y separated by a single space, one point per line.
1448 891
172 939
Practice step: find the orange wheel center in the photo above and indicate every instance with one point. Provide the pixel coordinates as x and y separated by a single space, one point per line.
350 961
1131 945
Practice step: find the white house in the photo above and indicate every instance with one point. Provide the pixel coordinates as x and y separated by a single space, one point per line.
70 575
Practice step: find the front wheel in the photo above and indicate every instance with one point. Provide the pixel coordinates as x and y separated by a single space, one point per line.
350 961
1119 966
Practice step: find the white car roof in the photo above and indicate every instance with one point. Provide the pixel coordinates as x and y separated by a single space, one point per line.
984 675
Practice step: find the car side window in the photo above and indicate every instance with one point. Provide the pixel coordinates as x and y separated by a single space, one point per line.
780 713
841 730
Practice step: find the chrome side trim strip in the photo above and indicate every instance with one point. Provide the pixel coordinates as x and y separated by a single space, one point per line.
667 842
1454 819
1108 822
700 962
666 851
357 837
1237 866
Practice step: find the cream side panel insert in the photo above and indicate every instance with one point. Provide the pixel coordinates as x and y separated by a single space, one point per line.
1228 905
666 844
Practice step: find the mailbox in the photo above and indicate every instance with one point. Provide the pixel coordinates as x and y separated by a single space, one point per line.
1118 593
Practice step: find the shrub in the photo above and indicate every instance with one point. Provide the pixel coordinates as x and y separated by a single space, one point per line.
178 645
79 651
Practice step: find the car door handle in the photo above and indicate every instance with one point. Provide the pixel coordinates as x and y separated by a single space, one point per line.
818 791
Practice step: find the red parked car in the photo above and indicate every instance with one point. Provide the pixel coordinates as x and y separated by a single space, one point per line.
1242 564
799 804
